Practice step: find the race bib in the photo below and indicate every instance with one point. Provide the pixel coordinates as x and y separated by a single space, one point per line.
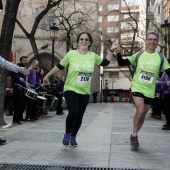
84 78
145 76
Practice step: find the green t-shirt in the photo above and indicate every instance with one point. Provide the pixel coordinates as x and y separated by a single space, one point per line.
80 70
144 80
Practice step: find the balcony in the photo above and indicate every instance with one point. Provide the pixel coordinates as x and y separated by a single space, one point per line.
132 9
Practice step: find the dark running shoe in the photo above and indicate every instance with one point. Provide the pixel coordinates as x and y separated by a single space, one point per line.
66 139
2 141
166 127
134 141
73 141
17 122
166 124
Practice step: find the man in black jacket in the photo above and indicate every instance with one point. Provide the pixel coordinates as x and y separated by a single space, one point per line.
18 92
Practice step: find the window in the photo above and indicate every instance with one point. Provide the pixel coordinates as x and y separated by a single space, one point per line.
112 29
128 25
126 37
126 16
159 9
100 18
113 18
100 29
151 24
114 74
100 8
113 7
130 3
152 2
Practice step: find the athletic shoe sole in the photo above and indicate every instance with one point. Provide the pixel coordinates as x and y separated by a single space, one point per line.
134 148
74 145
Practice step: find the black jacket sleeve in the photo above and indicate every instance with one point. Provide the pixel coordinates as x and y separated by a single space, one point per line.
121 61
105 62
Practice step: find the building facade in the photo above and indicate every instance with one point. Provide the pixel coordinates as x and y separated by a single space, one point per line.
124 22
84 11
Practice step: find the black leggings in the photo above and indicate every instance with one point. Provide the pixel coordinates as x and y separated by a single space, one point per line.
76 104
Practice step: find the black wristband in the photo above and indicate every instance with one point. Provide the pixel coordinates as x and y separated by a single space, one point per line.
111 50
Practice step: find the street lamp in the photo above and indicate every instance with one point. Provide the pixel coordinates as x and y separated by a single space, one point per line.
53 35
1 6
101 84
165 32
112 84
106 86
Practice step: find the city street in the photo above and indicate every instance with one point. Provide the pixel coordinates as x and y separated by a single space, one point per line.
103 141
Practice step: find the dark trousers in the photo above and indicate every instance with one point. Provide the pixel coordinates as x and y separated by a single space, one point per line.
76 104
166 107
18 103
31 111
10 104
59 108
94 99
157 106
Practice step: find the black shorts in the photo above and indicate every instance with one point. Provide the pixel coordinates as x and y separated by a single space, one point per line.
147 100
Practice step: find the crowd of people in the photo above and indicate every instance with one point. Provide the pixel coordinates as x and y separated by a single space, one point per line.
11 67
26 96
76 86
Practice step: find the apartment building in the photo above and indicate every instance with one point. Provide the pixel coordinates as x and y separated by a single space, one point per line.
154 19
166 16
166 10
124 22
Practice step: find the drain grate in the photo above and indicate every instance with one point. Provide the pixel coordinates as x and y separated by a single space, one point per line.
53 167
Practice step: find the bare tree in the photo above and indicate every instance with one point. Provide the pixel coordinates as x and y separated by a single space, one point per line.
31 35
7 35
7 31
73 16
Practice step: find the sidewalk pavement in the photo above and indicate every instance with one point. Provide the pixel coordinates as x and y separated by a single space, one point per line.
103 140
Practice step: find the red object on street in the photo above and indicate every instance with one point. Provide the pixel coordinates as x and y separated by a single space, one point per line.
112 98
11 57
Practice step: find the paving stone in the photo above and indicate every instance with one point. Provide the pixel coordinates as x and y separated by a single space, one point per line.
103 140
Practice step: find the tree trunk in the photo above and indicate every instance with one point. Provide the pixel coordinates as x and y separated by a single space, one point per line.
35 49
7 31
68 39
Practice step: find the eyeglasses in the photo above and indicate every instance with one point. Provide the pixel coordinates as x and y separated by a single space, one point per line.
154 40
86 39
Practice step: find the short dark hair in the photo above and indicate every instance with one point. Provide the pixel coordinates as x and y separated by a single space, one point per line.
89 35
23 57
153 33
